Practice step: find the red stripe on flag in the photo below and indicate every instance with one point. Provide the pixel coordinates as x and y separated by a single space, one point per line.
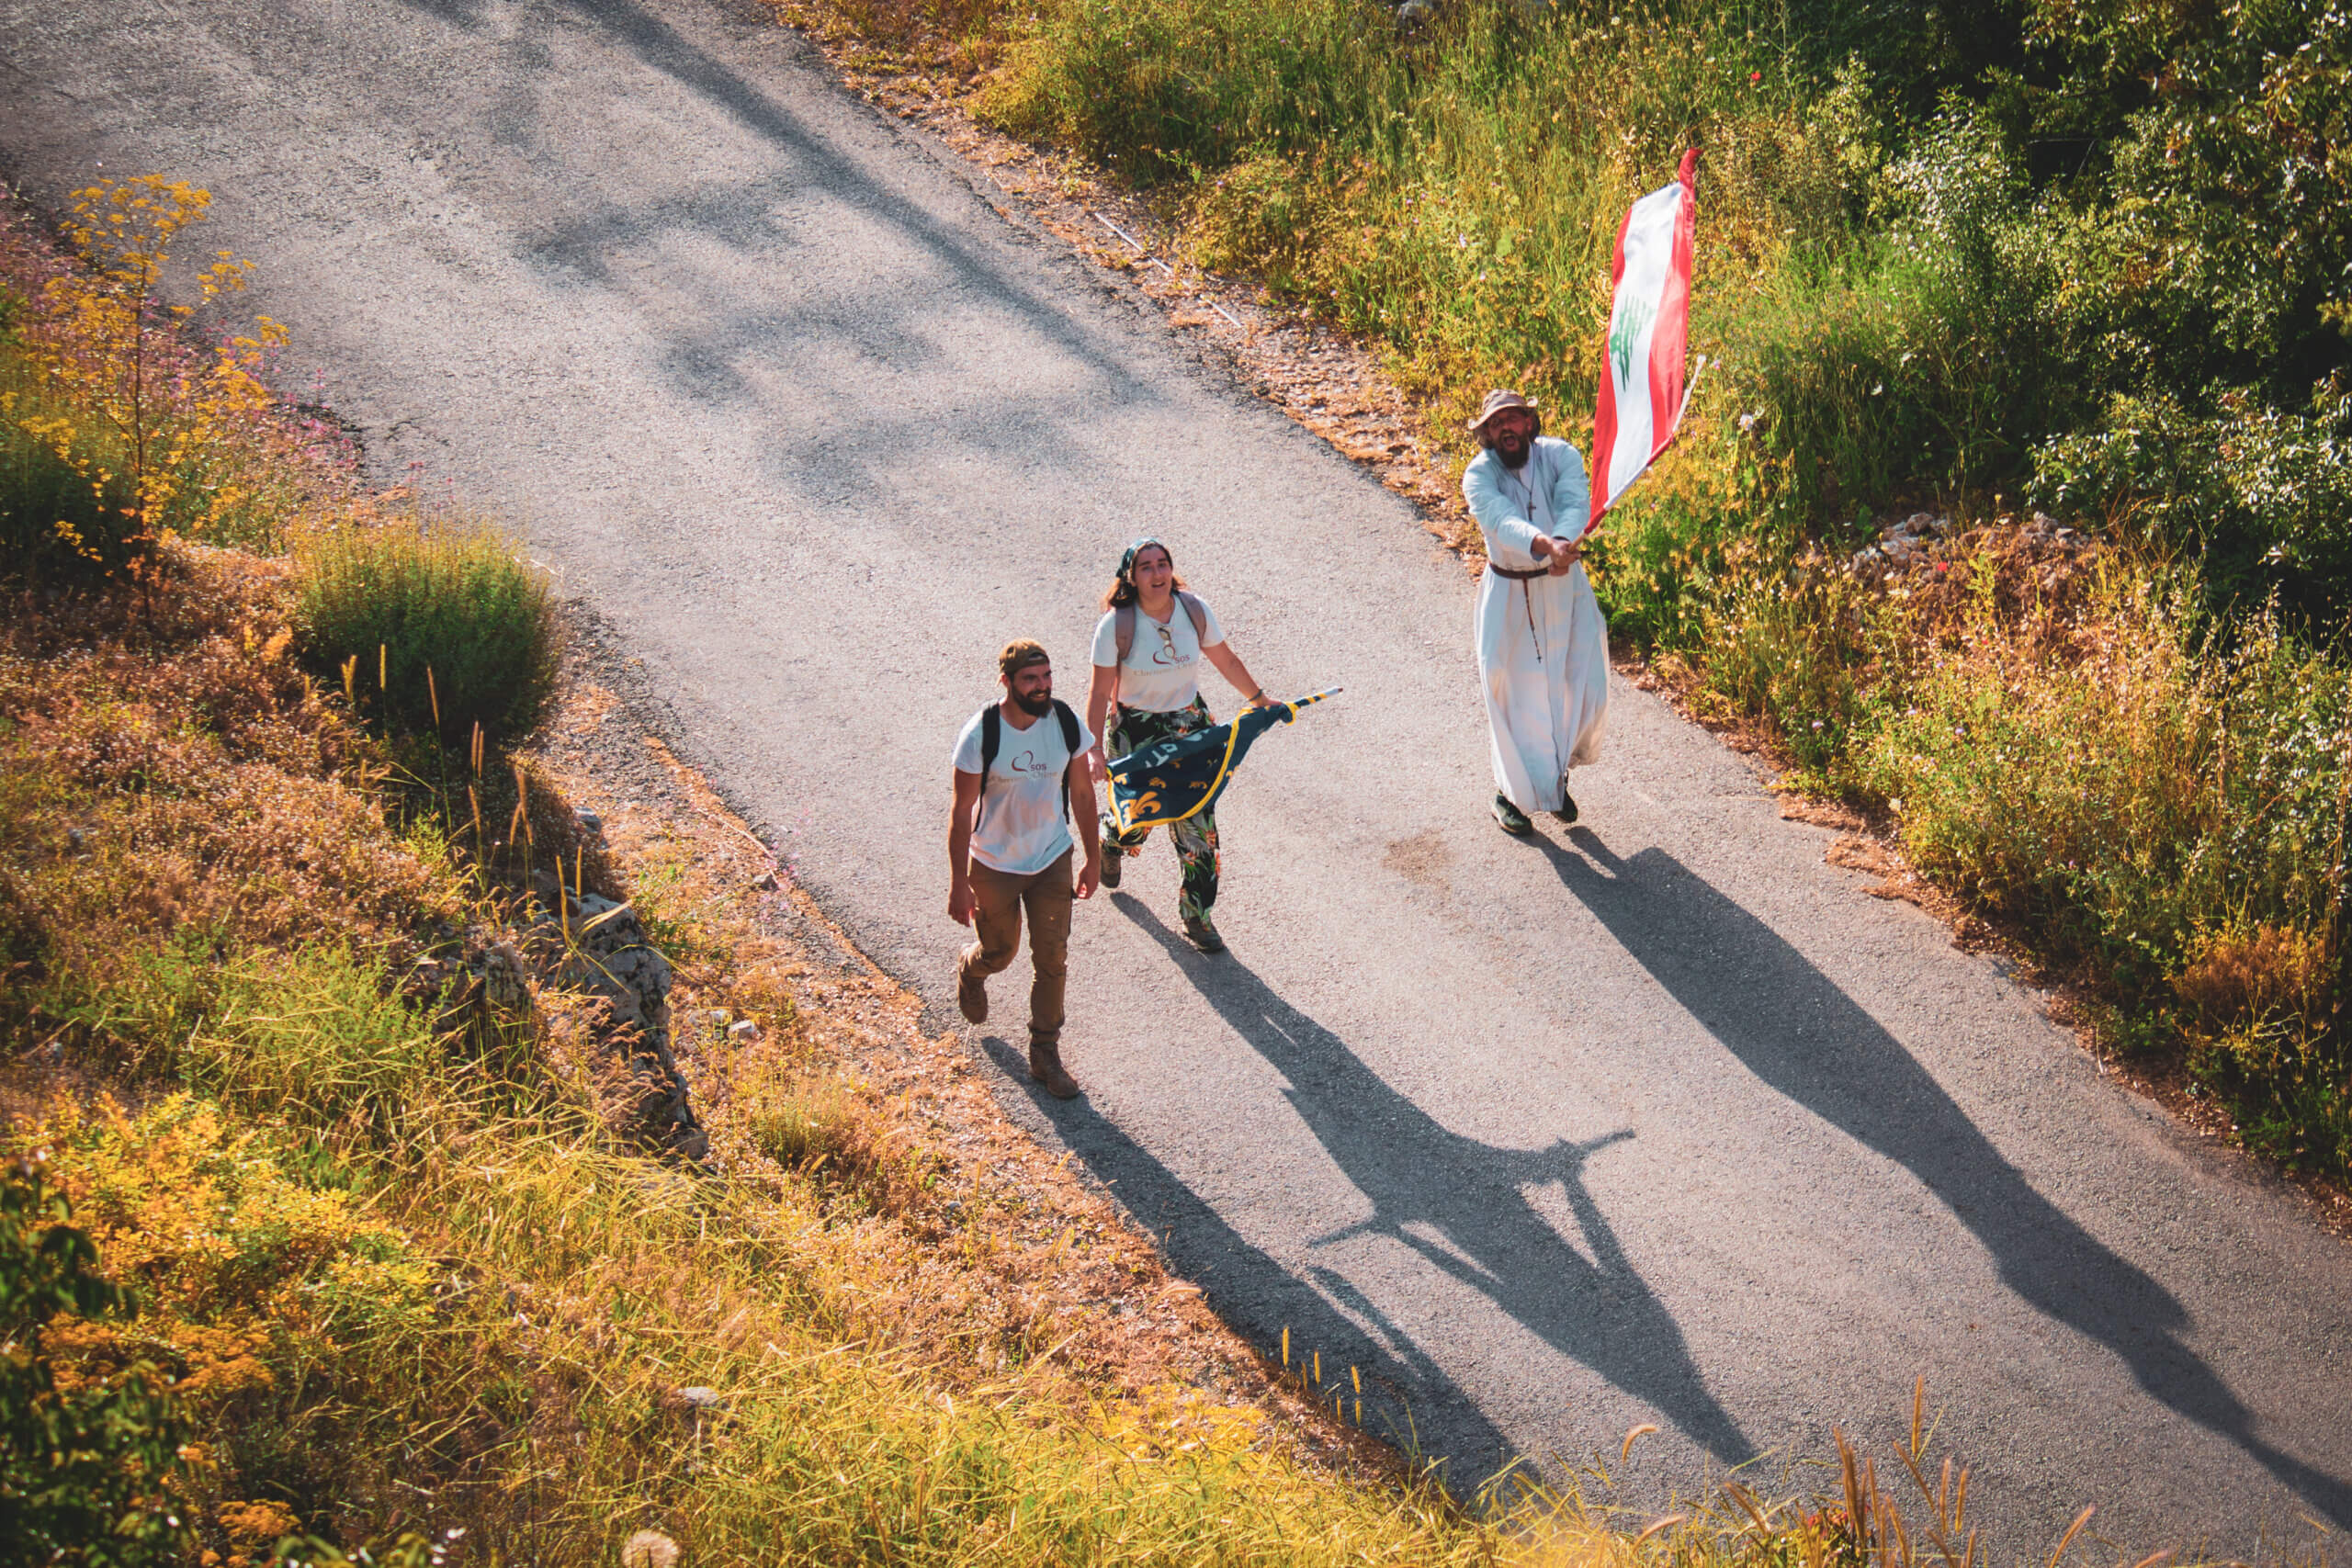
1671 337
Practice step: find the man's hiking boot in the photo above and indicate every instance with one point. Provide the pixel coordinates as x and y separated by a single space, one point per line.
1112 855
1203 935
1510 817
1046 1066
971 991
1567 812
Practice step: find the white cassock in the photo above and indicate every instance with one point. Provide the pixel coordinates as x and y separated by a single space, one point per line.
1542 645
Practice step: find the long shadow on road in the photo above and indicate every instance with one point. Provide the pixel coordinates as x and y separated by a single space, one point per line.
1409 1398
1461 1205
1798 1032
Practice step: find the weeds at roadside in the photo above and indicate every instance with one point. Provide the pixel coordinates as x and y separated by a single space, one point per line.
119 431
434 626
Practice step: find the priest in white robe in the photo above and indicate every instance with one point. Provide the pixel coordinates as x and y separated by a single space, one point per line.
1542 645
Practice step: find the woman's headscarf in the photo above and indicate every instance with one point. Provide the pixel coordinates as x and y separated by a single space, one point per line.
1127 561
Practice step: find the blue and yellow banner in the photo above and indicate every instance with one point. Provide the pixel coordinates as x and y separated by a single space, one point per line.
1181 776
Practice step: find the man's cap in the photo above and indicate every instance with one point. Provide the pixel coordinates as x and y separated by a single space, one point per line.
1019 654
1498 400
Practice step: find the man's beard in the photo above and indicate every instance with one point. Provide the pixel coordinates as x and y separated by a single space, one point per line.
1514 459
1038 706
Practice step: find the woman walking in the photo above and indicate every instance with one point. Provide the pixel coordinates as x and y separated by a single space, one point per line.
1147 652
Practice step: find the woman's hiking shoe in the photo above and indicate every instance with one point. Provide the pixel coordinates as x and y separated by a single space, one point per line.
1567 812
1046 1066
971 993
1510 817
1203 935
1112 855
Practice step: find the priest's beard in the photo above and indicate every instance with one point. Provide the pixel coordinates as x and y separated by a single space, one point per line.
1514 454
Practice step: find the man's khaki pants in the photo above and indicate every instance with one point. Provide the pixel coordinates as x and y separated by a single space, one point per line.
999 898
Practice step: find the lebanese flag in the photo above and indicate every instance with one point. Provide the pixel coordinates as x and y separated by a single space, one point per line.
1650 326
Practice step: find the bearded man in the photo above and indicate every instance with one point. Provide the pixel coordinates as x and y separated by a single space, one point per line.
1018 764
1542 645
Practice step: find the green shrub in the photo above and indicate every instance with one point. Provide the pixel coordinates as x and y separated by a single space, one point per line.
1169 90
2134 798
66 506
82 1472
2260 497
440 628
1920 361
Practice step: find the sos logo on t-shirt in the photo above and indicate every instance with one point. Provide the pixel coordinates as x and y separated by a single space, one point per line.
1031 762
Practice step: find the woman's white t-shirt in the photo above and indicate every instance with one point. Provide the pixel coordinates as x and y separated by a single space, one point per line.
1163 668
1022 831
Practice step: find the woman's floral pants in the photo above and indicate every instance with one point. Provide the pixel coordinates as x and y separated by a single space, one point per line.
1195 837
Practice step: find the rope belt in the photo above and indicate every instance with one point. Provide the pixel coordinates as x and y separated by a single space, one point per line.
1528 595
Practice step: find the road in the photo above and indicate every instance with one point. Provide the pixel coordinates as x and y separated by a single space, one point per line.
1662 1120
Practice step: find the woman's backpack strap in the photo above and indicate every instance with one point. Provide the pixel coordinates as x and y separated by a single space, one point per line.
1200 615
1123 624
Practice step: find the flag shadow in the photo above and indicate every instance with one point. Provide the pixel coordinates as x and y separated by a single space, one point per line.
1798 1032
1407 1398
1463 1207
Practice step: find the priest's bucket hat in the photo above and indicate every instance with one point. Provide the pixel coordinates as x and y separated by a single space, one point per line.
1498 400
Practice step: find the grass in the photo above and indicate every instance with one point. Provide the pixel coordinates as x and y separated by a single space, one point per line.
66 503
438 625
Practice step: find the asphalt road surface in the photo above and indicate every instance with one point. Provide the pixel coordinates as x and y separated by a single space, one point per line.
1658 1120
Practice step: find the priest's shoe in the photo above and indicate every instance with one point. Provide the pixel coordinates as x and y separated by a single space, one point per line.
1510 817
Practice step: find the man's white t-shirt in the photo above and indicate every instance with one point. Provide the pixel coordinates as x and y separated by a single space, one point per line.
1162 672
1021 831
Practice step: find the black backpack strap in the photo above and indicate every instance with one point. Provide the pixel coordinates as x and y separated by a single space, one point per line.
1069 743
991 736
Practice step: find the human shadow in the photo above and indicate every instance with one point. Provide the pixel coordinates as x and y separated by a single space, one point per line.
1798 1032
1463 1206
1407 1397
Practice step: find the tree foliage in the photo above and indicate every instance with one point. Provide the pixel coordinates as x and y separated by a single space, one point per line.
82 1470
